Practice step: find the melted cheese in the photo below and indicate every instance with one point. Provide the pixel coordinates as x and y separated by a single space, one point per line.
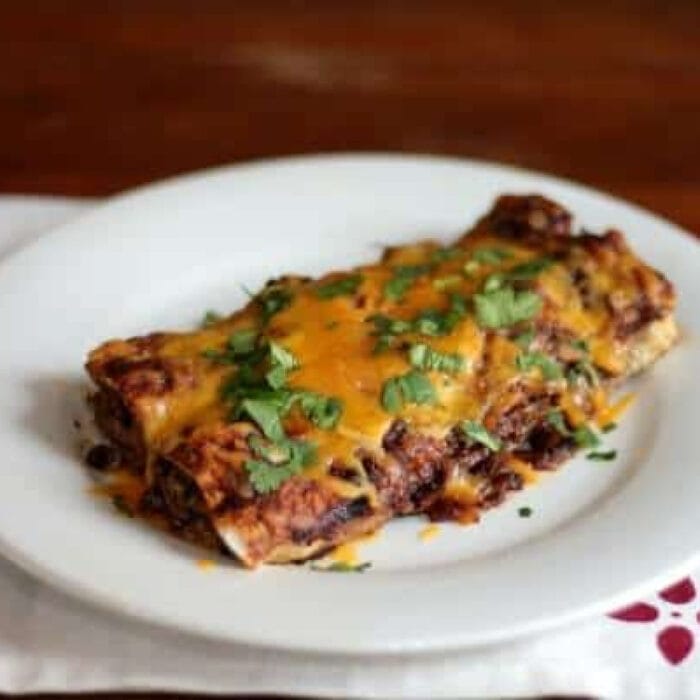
206 564
609 413
334 345
346 554
429 532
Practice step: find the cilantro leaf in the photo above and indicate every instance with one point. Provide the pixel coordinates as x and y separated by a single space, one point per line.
281 357
384 325
524 340
122 505
529 269
403 279
272 300
602 456
491 256
477 433
423 357
505 307
266 476
323 411
412 387
583 371
266 413
210 318
429 322
470 267
556 419
392 396
242 342
281 363
519 273
585 437
343 567
580 345
529 360
443 283
444 254
276 377
609 427
494 281
342 287
525 511
416 388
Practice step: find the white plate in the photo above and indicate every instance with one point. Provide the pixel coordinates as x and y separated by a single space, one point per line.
599 533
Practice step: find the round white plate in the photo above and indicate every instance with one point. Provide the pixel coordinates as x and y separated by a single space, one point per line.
599 534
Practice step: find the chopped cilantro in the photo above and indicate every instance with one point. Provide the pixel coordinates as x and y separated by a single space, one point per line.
519 273
423 357
494 281
392 396
525 511
433 322
583 371
529 269
524 340
549 367
428 322
609 427
384 325
282 357
556 419
266 413
602 456
323 411
278 462
505 307
412 387
476 432
403 279
216 355
585 437
384 342
272 300
276 377
470 267
210 318
122 505
416 388
257 391
342 287
443 283
580 345
491 256
243 341
240 346
343 567
443 254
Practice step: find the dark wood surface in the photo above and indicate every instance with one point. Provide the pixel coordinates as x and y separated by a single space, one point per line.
98 96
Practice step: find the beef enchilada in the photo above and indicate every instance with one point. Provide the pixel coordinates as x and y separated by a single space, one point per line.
433 382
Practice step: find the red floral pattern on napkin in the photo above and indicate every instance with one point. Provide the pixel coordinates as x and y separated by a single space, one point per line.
676 641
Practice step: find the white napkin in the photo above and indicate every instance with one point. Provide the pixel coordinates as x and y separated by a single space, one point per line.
49 642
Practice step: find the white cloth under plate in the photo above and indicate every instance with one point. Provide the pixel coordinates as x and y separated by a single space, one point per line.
49 642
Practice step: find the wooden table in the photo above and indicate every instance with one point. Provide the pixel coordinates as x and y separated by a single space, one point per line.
95 98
